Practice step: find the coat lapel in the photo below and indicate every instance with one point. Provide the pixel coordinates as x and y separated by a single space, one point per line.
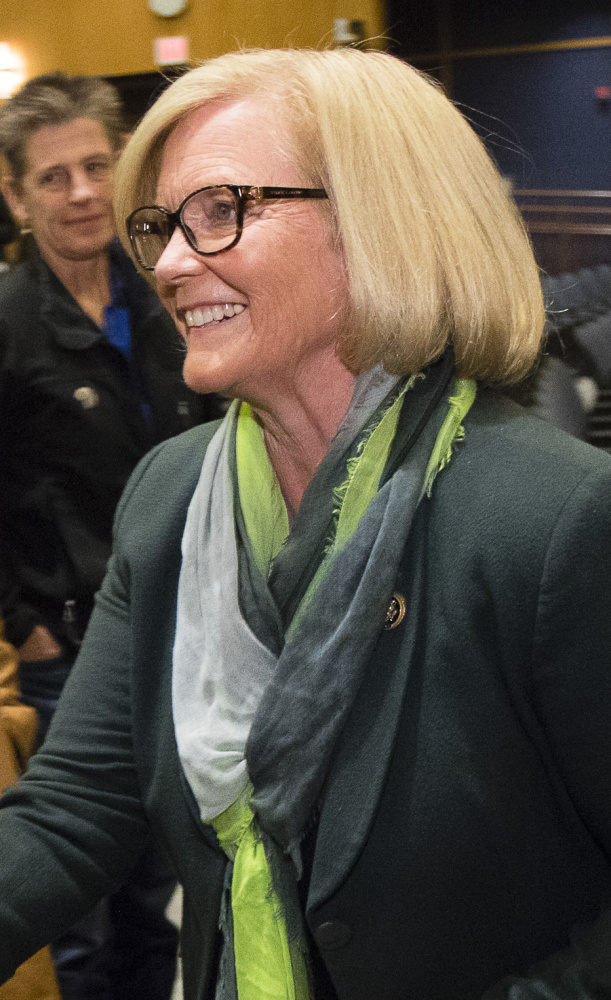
356 778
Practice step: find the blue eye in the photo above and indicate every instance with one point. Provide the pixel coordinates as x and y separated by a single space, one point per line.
223 213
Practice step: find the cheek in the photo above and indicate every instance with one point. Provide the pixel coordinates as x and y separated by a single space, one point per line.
106 194
167 294
51 214
44 220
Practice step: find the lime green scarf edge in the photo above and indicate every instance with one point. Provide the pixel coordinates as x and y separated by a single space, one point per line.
266 966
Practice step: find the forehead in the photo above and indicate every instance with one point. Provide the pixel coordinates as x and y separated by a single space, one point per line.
240 143
53 145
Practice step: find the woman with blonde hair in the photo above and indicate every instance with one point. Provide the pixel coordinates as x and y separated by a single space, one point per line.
351 658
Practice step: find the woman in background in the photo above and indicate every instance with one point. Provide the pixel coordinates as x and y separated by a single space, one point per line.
351 661
89 381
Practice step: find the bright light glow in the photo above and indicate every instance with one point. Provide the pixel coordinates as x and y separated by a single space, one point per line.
171 51
12 70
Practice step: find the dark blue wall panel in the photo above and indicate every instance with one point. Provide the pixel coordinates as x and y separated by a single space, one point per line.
475 23
544 104
544 124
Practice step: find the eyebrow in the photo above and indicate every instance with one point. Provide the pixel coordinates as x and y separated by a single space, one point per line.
65 166
51 166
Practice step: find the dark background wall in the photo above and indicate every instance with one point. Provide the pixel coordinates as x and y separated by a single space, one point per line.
526 74
546 126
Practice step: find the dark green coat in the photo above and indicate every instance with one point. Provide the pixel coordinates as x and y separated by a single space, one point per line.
465 830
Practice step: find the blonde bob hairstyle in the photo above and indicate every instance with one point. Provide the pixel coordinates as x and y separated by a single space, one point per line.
435 251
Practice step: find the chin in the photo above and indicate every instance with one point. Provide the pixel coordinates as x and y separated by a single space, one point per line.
201 379
214 369
87 251
90 244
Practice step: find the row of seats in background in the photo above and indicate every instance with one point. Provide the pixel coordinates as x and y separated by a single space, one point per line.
571 387
571 235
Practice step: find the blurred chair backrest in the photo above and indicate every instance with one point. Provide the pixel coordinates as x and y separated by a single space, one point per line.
569 229
17 721
35 979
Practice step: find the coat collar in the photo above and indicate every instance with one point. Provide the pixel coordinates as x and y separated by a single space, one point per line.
69 325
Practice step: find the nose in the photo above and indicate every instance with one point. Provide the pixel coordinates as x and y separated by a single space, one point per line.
178 260
82 187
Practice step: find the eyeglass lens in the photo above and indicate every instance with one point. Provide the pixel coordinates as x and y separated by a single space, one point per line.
209 220
149 231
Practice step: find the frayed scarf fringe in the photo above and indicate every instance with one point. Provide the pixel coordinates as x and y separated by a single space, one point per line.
452 432
339 493
443 461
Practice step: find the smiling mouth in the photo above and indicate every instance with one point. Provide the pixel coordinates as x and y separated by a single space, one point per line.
212 314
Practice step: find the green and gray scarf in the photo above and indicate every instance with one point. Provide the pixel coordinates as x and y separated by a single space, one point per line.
274 633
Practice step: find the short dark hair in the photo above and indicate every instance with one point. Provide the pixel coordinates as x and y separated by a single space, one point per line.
56 99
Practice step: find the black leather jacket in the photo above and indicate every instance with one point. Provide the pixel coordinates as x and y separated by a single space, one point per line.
75 417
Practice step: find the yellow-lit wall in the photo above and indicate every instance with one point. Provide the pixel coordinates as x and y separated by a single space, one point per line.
116 36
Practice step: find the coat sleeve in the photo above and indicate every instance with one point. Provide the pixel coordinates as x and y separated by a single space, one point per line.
572 698
74 826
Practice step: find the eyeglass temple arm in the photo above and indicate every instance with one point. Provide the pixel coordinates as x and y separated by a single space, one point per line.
264 193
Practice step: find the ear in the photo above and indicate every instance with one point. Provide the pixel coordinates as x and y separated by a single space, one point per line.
11 189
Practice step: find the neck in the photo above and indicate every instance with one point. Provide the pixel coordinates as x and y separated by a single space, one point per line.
86 280
301 422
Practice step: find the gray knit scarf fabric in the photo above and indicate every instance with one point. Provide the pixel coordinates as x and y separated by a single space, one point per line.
319 670
221 667
238 682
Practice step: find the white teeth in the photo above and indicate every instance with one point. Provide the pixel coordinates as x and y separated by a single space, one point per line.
214 313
